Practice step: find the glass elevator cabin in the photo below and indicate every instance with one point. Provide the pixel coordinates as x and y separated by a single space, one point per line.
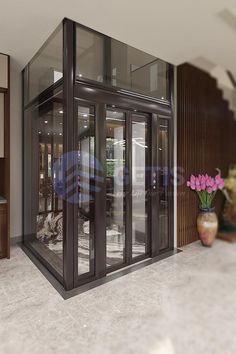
98 155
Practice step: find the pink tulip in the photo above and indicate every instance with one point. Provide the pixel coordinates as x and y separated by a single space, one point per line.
197 182
221 184
203 186
209 190
214 187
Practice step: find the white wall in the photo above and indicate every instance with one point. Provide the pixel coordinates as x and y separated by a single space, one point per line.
15 150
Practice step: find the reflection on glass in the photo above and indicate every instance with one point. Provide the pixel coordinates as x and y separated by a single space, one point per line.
113 63
163 151
139 184
43 214
115 189
86 184
45 69
138 71
89 55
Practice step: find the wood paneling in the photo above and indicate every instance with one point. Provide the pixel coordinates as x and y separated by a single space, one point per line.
5 161
3 230
206 132
4 79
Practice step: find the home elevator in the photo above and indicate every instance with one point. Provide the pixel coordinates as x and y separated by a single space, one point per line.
98 157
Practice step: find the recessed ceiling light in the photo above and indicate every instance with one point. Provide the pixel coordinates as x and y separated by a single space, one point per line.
40 132
85 126
48 133
135 110
80 75
61 111
113 106
60 133
46 121
162 98
60 123
85 115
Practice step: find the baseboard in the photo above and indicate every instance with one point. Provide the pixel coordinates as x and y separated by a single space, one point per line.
16 240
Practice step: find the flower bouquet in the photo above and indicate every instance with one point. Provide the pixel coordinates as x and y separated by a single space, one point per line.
206 188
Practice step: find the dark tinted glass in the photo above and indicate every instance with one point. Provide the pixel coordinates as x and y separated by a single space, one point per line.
86 188
113 63
89 55
163 158
139 184
43 207
45 68
115 187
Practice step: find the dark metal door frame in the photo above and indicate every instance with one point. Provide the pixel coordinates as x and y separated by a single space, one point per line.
102 100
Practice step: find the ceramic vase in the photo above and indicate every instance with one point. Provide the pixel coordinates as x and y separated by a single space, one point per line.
207 226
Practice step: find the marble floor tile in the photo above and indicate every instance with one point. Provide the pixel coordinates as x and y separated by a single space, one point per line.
184 304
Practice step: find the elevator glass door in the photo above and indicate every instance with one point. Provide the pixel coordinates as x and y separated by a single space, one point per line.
127 186
123 186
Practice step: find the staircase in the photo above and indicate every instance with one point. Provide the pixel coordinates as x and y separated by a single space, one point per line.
226 81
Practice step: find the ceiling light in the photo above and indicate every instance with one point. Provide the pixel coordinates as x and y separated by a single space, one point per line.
85 115
40 132
61 111
60 133
162 98
46 121
113 106
80 75
48 133
85 126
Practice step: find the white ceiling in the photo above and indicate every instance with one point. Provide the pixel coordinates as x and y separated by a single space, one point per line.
176 31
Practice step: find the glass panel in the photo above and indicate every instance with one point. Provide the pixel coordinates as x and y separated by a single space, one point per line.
115 187
43 214
86 186
113 63
139 184
89 55
138 71
163 152
45 68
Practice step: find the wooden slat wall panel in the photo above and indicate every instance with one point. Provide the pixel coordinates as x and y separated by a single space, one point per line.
206 131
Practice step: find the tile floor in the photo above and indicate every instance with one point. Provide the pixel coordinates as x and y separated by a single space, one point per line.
185 304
